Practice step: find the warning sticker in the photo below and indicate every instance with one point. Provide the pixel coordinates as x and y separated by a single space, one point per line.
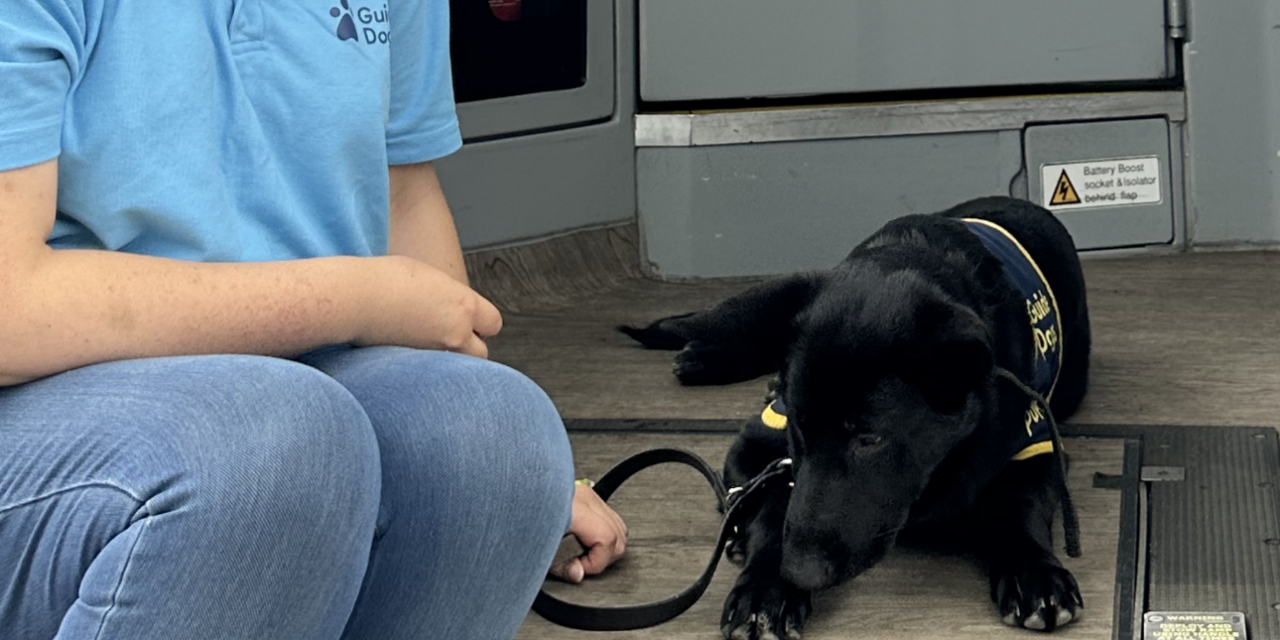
1179 625
1100 183
1065 192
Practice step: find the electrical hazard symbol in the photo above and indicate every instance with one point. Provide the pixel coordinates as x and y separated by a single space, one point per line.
1065 192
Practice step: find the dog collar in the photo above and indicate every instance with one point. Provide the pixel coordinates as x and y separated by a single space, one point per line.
774 415
1043 316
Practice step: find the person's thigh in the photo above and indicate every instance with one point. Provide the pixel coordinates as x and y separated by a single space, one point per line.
477 486
192 497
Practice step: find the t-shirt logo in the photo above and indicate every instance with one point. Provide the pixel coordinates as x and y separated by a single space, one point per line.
363 25
346 26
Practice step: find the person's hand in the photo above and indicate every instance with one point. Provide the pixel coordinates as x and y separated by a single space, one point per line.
416 305
600 530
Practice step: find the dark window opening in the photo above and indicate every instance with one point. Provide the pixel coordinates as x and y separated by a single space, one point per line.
504 48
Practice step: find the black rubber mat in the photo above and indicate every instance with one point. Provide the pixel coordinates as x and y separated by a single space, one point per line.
1209 531
1199 525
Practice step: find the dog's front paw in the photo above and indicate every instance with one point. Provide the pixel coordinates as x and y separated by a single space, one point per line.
700 363
764 610
1040 596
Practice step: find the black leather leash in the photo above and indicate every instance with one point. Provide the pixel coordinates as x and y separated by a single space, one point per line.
623 618
591 618
1070 522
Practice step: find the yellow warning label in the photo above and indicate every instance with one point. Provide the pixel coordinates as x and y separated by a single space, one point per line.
1065 192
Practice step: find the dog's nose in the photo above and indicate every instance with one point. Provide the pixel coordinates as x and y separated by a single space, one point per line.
807 571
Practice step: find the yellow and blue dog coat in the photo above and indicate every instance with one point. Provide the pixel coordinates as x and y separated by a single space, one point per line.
1046 335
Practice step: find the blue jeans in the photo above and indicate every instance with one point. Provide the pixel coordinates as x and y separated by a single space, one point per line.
376 493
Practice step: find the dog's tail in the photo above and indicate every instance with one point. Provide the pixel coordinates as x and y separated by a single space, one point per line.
658 335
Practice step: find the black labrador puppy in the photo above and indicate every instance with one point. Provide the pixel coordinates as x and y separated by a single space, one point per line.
901 396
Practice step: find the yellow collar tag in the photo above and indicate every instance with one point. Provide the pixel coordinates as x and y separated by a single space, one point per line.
774 418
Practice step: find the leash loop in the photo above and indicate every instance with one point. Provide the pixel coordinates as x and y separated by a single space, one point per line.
627 617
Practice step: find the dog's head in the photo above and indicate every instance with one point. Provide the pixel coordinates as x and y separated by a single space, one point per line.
884 374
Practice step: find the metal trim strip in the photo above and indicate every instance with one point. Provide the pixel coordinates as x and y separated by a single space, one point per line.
789 124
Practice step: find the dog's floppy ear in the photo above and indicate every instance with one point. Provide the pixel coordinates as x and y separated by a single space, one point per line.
953 356
743 337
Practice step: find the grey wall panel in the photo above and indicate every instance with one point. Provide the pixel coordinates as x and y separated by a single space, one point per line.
774 208
1233 129
706 49
1178 183
1106 223
533 186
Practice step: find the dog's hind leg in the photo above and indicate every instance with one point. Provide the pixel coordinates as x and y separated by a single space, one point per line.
741 338
1015 515
761 606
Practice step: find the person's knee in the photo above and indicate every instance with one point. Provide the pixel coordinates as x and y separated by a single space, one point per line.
536 437
518 423
485 431
278 442
251 481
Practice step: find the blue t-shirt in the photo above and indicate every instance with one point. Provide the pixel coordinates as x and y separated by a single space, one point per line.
225 130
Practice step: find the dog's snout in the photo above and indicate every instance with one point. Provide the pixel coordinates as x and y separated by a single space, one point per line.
808 571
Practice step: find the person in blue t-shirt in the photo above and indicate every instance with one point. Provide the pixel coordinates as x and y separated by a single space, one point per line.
244 390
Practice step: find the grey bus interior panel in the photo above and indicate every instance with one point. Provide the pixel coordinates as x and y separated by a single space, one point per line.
537 185
544 183
1232 136
745 210
713 49
1081 142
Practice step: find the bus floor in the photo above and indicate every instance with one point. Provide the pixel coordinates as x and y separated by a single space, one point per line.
1178 339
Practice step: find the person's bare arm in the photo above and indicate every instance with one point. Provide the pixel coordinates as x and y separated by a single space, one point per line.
60 309
421 224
